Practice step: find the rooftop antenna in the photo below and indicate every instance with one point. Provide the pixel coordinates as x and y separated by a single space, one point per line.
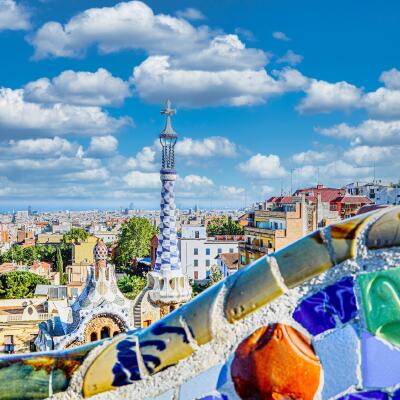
374 173
317 176
281 189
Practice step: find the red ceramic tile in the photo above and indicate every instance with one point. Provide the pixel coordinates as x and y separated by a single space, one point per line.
276 362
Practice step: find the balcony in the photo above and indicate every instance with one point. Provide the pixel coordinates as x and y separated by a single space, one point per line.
253 248
23 318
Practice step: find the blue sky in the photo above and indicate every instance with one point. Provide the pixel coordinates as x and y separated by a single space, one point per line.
262 88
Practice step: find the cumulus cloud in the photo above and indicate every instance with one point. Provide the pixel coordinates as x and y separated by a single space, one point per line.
142 180
290 57
371 131
103 146
280 36
383 103
322 96
190 13
20 116
367 155
312 156
214 146
127 25
262 166
232 191
13 16
144 160
156 79
391 78
190 181
42 147
98 88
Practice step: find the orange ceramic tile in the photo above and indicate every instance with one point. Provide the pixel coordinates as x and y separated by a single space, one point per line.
276 362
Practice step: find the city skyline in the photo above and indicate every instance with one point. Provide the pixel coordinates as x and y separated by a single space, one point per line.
266 93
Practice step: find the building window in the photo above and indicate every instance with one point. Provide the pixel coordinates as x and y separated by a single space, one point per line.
207 263
231 250
196 275
93 336
208 251
196 252
208 274
196 234
243 260
8 343
219 251
196 263
105 332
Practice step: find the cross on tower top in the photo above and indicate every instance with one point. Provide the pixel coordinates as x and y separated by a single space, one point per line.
168 111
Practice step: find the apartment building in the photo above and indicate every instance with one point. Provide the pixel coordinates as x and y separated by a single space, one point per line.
377 191
198 252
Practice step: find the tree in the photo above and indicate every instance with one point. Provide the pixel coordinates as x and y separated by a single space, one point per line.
215 276
75 236
19 284
134 241
224 226
131 285
60 267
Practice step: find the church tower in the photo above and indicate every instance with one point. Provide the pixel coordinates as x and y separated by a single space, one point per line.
170 286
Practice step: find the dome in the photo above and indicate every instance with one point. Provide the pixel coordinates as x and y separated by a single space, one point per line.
100 251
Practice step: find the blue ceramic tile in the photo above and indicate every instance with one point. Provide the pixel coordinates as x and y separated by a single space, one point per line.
339 356
396 395
380 362
373 395
319 312
215 396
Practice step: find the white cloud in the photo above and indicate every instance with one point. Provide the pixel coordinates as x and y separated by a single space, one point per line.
97 174
190 181
391 78
323 96
41 147
17 115
127 25
103 146
231 191
98 88
156 79
142 180
190 13
13 16
367 155
306 173
312 156
290 57
245 33
262 166
371 131
383 103
214 146
144 160
280 36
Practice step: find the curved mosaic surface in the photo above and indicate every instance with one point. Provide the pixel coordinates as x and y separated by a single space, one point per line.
330 329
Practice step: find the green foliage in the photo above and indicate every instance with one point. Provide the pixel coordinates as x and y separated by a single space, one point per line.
19 284
131 285
75 236
60 267
134 241
28 255
224 226
215 276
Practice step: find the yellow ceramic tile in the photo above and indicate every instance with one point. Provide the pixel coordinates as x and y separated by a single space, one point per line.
254 287
343 236
385 232
303 259
164 343
115 366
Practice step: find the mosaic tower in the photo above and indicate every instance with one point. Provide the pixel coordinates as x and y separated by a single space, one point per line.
170 285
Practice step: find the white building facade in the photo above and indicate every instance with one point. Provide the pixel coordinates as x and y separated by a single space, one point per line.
377 191
198 253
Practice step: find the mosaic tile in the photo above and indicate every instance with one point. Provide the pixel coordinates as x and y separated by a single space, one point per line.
169 395
215 396
303 259
201 386
380 362
198 314
253 287
381 300
385 232
275 362
320 311
396 395
339 356
27 376
164 343
115 366
343 237
373 395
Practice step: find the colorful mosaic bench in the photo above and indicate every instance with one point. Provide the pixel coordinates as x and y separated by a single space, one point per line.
317 319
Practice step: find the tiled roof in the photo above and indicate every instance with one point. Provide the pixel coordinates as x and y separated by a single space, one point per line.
352 199
230 259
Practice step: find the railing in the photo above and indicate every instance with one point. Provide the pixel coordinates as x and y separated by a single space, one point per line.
261 249
22 317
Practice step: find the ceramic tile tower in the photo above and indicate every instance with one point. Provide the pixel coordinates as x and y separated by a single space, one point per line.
170 285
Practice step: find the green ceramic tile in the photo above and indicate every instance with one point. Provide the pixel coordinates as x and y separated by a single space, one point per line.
303 259
253 287
385 232
381 301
